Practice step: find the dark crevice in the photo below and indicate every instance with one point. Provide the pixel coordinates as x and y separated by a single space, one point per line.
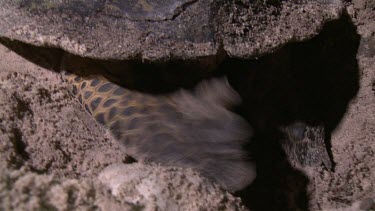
328 144
19 146
129 159
22 107
312 82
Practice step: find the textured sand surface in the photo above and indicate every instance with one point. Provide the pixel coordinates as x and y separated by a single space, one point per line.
200 27
51 151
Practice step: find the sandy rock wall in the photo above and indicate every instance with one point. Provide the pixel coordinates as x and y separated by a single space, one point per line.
353 141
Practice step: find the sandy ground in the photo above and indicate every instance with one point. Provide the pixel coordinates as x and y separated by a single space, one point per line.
52 153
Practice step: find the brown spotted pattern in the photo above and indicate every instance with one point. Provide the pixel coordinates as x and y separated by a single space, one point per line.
111 105
192 129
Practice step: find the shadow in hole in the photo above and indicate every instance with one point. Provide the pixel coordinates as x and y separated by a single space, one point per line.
311 81
157 77
48 58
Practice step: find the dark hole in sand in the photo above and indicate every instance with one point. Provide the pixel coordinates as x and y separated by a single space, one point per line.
19 146
311 81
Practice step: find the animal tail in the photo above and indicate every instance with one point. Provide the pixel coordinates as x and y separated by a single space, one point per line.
191 129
